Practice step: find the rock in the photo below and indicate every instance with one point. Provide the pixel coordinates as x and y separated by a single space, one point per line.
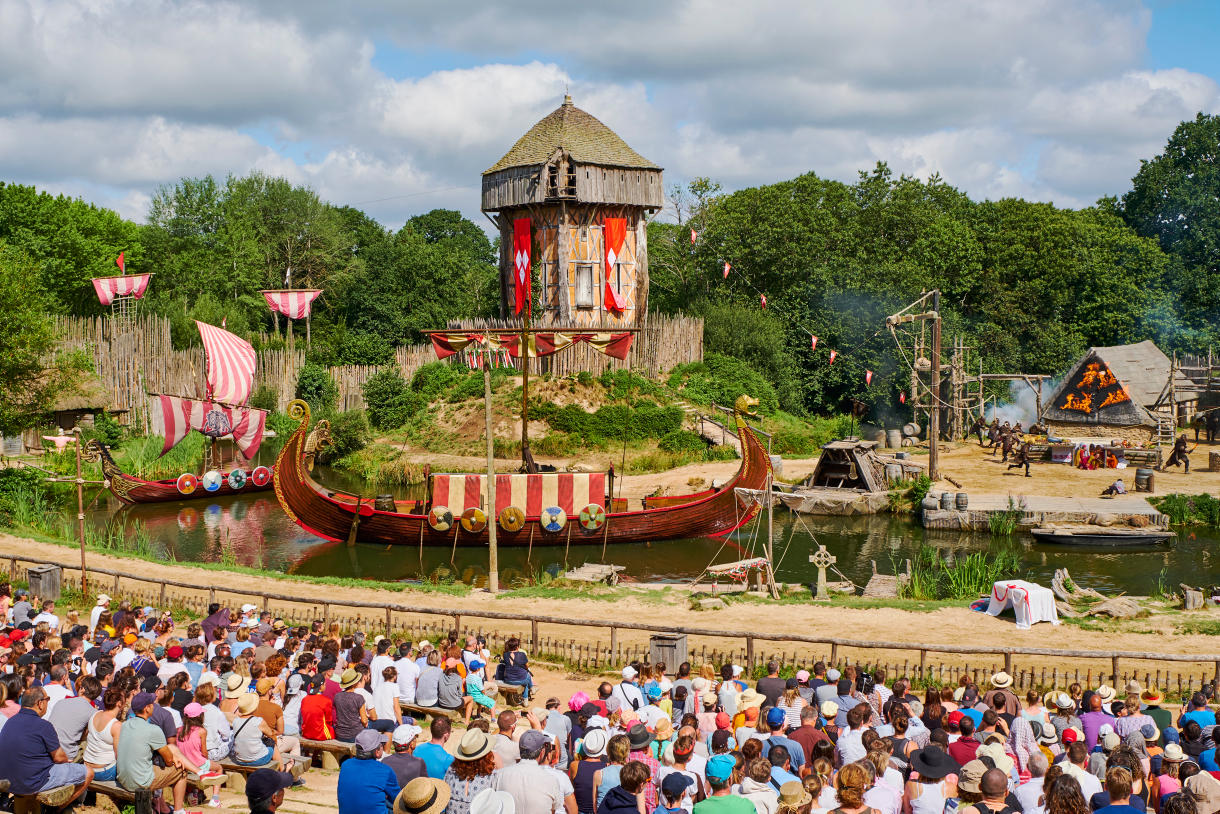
711 604
1105 519
1118 608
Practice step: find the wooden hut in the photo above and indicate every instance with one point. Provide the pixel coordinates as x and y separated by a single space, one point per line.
567 175
1131 392
851 477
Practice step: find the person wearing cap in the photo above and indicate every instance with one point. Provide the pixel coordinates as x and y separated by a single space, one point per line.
640 742
533 786
776 720
265 790
1093 720
719 773
627 691
365 783
30 755
406 766
139 740
317 712
676 794
480 701
652 713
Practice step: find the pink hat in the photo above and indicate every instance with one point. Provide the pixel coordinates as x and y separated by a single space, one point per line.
577 701
193 710
802 676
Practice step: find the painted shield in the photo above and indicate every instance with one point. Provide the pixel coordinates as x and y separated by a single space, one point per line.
512 519
261 476
553 519
440 518
474 519
187 483
211 480
592 517
237 479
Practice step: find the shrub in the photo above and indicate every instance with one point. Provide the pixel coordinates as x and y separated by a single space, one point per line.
349 432
391 403
722 379
623 384
793 442
433 379
612 422
363 348
317 388
469 386
682 441
584 377
281 424
263 398
106 429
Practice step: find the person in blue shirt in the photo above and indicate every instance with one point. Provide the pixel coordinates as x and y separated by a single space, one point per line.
1118 786
1198 712
31 758
365 783
433 753
781 766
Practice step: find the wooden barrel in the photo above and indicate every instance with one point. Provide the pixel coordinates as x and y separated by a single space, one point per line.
902 456
947 501
930 504
384 503
1144 480
893 438
962 501
893 472
911 429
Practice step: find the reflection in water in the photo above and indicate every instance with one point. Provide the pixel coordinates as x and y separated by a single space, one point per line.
253 531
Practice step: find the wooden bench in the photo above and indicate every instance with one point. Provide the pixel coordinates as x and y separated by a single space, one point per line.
430 712
330 752
513 693
114 793
236 773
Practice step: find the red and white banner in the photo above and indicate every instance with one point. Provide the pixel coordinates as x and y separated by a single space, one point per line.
614 345
230 364
693 235
833 354
813 342
727 267
762 298
178 416
121 263
132 285
521 263
868 377
293 304
570 491
902 397
615 236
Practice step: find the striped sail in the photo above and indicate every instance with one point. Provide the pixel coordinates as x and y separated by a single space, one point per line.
131 285
292 304
230 364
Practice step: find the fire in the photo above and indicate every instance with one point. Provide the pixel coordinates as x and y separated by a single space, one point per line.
1097 377
1080 403
1117 397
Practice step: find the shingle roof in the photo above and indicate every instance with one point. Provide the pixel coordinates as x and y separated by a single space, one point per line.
585 138
1143 368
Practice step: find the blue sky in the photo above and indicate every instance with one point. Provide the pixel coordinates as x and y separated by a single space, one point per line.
397 106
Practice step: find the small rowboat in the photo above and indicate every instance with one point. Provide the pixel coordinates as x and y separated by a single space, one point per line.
1103 536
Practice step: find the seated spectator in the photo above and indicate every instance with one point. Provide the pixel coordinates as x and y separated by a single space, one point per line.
254 741
103 735
31 758
138 742
317 712
433 753
406 766
265 790
71 716
532 786
472 770
514 667
474 688
424 795
193 742
365 783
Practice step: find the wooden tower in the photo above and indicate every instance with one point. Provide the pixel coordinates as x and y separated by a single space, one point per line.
567 175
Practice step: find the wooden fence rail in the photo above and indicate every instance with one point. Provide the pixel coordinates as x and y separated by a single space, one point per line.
588 654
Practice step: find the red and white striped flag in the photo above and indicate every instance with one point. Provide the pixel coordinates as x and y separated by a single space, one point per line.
833 354
813 342
108 288
292 304
693 235
727 266
868 377
178 416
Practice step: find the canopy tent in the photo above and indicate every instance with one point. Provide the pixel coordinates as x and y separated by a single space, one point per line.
448 343
111 288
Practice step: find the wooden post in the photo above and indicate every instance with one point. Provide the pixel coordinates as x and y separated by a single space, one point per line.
388 622
1008 663
533 636
493 555
457 622
325 614
834 655
749 651
211 595
614 646
1114 669
80 515
934 407
161 599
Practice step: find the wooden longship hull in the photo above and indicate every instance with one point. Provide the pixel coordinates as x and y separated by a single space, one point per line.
133 490
329 515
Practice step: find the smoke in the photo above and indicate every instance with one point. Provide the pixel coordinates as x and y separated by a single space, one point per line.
1022 404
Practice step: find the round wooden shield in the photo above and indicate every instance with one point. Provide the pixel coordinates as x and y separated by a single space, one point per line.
237 479
440 518
592 517
512 519
211 480
187 483
474 519
553 519
261 476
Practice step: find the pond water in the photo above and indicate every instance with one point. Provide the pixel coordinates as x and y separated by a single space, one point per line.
252 530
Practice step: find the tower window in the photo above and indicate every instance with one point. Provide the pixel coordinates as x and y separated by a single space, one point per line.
584 285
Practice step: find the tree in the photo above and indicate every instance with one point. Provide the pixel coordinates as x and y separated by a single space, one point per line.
32 373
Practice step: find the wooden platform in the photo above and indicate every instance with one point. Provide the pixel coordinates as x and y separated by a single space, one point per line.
1043 510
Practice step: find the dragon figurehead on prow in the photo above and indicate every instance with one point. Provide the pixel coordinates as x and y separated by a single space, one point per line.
745 405
318 438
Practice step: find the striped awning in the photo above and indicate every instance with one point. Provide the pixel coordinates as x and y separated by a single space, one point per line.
570 491
230 364
292 303
616 345
129 285
174 417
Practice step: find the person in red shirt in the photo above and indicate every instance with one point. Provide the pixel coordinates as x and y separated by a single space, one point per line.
963 749
317 713
808 734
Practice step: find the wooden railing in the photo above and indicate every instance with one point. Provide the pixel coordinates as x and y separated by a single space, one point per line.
590 655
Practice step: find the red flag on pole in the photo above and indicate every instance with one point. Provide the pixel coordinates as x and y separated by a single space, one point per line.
693 235
813 342
122 264
868 377
727 266
521 263
763 299
833 354
615 235
902 397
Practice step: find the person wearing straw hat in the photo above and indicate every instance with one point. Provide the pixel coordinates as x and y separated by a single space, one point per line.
490 801
365 783
249 730
793 799
1151 701
424 795
1065 714
351 710
1001 685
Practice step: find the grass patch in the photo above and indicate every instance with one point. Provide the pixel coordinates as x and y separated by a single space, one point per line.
933 576
381 464
1197 626
1195 510
802 596
567 589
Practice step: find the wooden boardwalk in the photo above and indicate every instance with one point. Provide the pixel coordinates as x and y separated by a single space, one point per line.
1040 510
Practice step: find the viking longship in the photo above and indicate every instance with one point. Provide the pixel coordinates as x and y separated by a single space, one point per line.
546 508
230 365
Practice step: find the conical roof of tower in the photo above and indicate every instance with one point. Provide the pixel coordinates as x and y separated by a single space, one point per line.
585 138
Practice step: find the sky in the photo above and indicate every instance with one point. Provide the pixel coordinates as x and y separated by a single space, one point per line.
397 106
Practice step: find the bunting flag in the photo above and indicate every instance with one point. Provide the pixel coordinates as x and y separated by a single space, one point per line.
727 267
178 416
902 397
763 299
833 354
521 264
446 344
121 263
868 377
693 235
230 364
813 342
615 235
108 288
292 303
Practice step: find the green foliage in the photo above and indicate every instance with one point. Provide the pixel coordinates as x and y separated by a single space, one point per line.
722 379
349 432
390 401
263 398
364 348
434 379
317 388
1002 524
106 429
793 442
281 424
755 337
612 422
906 495
936 576
623 385
682 441
1183 509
